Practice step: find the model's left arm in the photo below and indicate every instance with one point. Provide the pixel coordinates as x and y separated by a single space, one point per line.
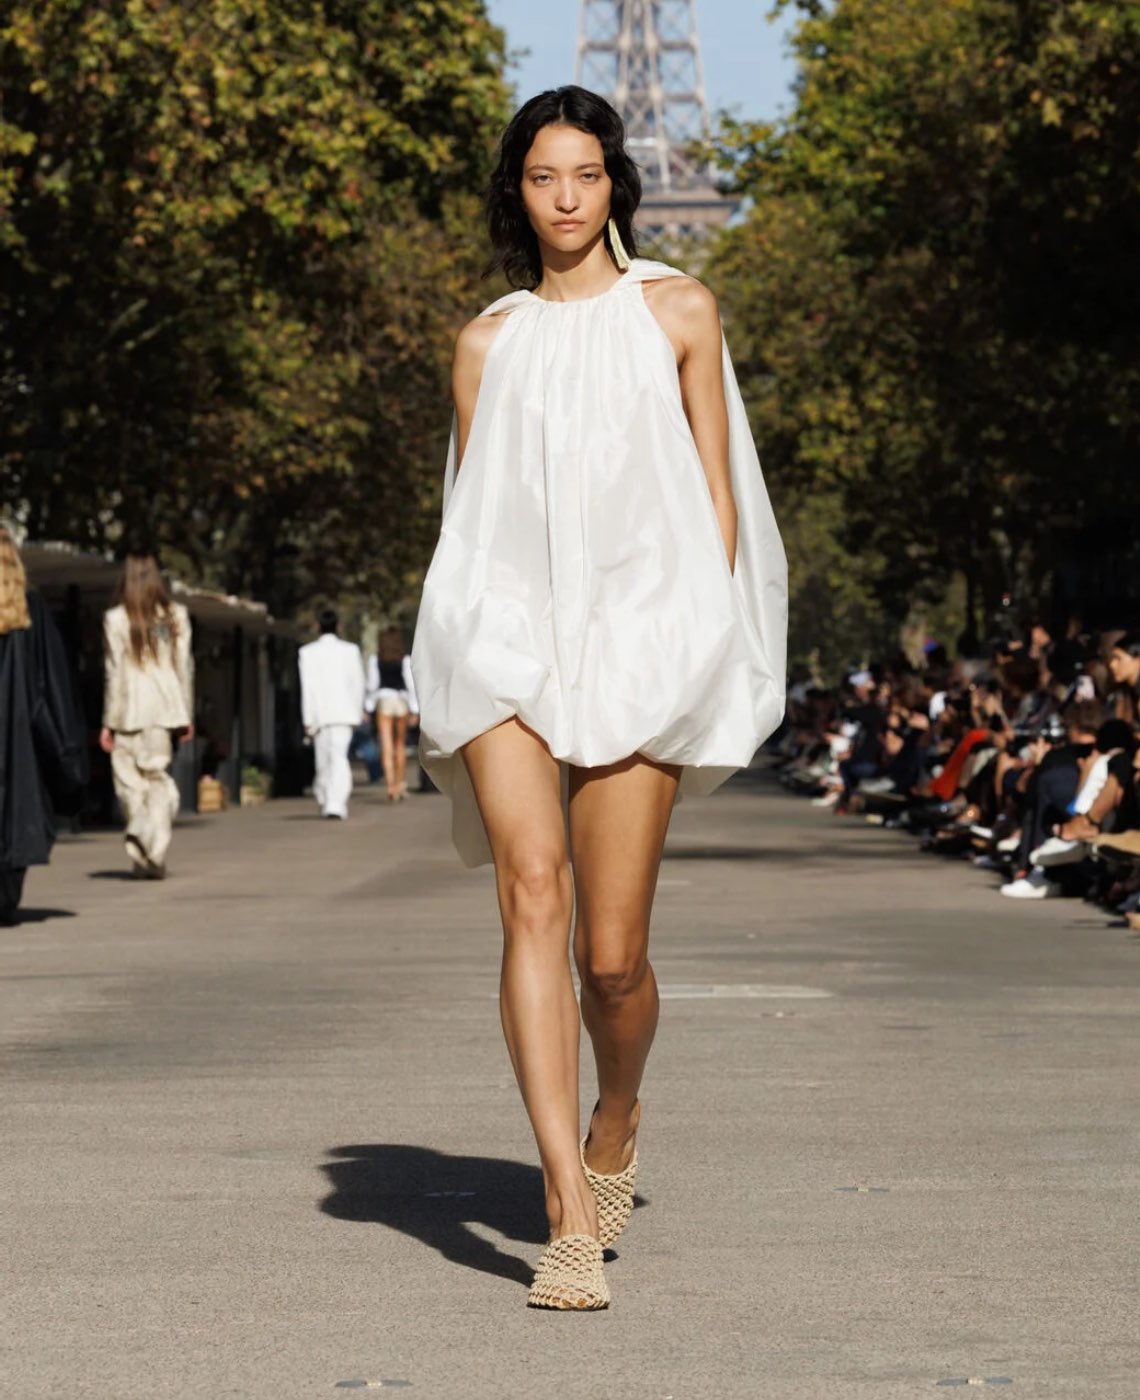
372 684
702 393
184 661
410 686
357 683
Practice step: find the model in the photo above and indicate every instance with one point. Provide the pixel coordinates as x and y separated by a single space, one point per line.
391 695
148 698
332 705
603 624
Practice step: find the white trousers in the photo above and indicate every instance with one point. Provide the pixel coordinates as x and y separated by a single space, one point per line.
148 795
332 785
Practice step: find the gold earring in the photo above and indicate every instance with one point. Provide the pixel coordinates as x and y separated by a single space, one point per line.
617 247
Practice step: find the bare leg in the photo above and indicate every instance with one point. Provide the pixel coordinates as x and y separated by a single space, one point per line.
387 753
516 784
400 744
619 816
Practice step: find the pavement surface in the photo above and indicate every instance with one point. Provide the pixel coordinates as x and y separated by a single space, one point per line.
261 1138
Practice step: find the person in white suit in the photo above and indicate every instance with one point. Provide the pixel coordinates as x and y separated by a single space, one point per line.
148 698
332 703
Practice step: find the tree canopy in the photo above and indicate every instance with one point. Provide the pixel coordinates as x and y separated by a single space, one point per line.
935 292
237 238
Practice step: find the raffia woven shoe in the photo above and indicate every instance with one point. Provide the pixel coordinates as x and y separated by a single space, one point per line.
613 1193
569 1275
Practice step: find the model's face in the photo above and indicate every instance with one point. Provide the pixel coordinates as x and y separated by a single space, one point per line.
1124 668
565 188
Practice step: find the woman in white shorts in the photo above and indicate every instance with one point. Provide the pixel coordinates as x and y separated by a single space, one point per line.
392 695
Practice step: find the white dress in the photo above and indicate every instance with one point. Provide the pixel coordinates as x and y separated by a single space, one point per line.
580 580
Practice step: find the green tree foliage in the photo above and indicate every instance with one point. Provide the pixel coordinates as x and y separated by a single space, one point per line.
936 288
237 238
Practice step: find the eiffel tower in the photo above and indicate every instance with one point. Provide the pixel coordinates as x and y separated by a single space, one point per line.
645 58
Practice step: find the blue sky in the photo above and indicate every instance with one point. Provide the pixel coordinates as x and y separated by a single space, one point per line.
746 66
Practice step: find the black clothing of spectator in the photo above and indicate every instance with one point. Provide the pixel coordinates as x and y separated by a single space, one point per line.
43 757
905 769
865 746
1067 659
1127 816
1052 787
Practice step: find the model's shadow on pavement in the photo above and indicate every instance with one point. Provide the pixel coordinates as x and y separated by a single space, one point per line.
437 1198
127 874
41 916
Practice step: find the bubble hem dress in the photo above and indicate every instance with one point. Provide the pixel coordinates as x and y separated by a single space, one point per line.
580 581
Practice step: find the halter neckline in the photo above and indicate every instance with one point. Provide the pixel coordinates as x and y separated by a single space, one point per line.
577 301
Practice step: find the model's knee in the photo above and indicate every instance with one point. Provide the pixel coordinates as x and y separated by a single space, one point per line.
613 977
536 889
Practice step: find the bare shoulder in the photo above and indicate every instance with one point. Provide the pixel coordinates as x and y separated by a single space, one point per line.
474 340
683 299
687 312
471 347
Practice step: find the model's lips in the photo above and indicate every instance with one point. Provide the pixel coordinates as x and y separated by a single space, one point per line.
570 223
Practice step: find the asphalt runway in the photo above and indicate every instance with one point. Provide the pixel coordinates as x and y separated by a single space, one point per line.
261 1137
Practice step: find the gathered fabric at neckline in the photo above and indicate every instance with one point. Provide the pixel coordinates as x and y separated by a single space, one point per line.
640 270
578 301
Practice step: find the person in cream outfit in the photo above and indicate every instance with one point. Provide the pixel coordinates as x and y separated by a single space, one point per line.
332 703
148 695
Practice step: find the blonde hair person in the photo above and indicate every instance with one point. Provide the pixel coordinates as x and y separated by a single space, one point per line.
41 730
602 625
148 695
392 695
14 614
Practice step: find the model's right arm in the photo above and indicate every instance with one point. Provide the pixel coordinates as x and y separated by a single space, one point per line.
184 660
471 348
308 699
113 682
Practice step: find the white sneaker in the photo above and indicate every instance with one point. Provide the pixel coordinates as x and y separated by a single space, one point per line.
1035 885
828 800
1055 851
1009 844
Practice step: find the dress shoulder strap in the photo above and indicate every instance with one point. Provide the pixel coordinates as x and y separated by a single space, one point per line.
507 303
640 270
649 270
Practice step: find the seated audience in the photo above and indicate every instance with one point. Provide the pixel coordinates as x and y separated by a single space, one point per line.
1027 763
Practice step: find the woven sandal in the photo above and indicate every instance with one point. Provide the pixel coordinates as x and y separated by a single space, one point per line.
613 1193
569 1275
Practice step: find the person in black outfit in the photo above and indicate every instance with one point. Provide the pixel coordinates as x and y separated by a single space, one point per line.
866 749
1055 781
1067 657
904 743
43 758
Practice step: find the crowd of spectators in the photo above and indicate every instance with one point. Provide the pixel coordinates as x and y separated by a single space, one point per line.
1026 762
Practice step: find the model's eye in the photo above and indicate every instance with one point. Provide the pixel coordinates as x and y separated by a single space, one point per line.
591 175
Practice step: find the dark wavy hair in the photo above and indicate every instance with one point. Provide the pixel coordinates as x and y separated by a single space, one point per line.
514 242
